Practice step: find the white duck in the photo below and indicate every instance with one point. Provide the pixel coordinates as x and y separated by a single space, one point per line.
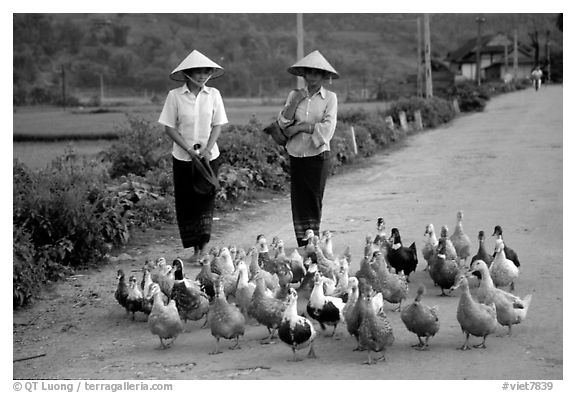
430 244
327 245
502 270
227 263
164 320
510 309
460 240
475 318
450 250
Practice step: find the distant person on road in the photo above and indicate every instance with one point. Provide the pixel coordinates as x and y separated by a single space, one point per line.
537 78
193 116
309 120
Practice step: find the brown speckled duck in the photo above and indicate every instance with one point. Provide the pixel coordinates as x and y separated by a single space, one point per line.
375 331
394 287
266 309
225 319
121 293
421 319
191 301
443 270
134 300
481 254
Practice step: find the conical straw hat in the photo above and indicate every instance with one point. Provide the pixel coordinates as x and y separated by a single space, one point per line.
195 60
313 60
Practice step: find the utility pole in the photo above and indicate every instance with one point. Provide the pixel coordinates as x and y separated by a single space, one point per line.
101 89
506 58
480 19
515 61
427 60
300 46
548 65
63 70
419 57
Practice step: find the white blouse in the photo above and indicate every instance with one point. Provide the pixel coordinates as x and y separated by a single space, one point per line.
193 117
321 110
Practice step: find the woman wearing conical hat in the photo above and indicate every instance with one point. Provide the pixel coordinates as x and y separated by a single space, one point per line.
193 116
309 120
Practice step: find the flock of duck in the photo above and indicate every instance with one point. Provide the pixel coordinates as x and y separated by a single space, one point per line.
287 292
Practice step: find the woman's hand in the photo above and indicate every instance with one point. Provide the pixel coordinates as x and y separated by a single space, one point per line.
295 99
206 153
297 128
191 152
298 96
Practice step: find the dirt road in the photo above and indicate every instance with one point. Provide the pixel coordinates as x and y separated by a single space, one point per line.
503 166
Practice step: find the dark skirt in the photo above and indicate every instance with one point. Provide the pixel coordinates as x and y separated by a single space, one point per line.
308 181
194 212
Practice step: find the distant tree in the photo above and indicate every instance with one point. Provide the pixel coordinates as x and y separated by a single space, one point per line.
70 36
119 34
149 47
36 31
123 64
535 44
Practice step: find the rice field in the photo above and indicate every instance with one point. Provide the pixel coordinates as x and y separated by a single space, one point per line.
36 155
81 122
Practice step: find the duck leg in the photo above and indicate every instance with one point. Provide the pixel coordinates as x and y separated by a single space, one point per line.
237 344
419 345
334 331
269 338
311 353
482 344
171 341
217 350
426 343
294 357
465 347
369 361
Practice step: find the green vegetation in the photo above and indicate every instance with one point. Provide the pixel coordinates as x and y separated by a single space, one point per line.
64 58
